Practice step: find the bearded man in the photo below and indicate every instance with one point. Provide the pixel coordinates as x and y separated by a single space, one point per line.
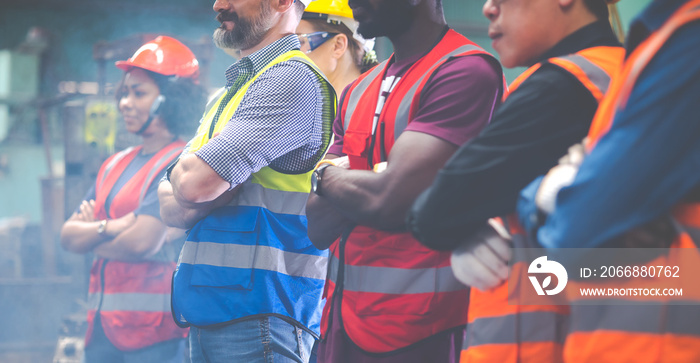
249 281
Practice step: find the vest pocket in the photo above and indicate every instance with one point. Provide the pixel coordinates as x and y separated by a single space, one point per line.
226 252
356 143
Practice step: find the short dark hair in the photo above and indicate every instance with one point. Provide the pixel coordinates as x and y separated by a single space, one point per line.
183 105
599 8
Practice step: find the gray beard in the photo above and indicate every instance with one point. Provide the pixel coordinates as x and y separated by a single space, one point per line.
246 33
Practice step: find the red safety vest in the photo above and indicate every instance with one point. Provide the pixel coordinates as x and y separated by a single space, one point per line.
394 291
133 299
503 332
660 332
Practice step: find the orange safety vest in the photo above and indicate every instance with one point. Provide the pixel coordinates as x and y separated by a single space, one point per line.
501 332
394 291
133 299
658 332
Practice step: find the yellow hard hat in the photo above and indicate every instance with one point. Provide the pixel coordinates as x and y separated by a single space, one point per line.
338 12
330 7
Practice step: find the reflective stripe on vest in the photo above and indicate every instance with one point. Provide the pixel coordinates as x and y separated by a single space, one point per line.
258 257
361 88
276 201
158 167
524 327
395 280
653 319
596 75
131 302
402 114
261 234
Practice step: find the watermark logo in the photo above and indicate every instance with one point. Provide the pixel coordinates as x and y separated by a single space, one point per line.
542 266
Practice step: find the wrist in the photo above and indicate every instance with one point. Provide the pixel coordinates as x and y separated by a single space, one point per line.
317 176
102 228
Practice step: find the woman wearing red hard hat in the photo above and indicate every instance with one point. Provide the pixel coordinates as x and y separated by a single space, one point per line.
129 317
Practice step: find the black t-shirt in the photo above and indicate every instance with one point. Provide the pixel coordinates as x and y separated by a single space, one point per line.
550 111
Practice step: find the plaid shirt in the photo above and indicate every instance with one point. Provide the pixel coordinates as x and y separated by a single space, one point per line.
283 120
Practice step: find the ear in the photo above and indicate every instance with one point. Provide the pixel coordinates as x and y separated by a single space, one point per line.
566 3
282 5
340 44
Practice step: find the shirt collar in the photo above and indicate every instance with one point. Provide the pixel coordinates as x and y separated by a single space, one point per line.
255 62
598 33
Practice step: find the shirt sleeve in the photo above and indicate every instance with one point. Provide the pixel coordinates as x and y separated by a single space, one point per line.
459 99
275 117
648 161
550 111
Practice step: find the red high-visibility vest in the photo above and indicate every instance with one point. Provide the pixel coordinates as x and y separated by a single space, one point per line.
133 299
394 291
659 332
497 331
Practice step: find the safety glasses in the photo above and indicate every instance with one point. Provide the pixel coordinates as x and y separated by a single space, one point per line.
311 41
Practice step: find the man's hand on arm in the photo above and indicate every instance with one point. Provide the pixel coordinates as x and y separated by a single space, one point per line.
191 193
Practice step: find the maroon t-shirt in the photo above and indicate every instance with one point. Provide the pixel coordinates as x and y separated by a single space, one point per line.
457 102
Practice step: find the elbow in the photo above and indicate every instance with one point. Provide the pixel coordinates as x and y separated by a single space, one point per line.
189 190
318 239
168 217
427 234
141 251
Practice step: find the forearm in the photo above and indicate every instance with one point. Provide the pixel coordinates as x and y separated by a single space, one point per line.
142 238
172 213
82 237
361 197
325 222
175 213
193 182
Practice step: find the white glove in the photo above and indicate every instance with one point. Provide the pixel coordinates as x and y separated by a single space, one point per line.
559 177
483 263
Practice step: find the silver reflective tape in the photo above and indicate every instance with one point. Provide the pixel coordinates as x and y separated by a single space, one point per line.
640 318
257 257
276 201
156 168
359 91
132 302
525 327
597 75
389 280
405 106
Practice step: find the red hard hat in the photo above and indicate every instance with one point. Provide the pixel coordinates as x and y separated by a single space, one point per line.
166 56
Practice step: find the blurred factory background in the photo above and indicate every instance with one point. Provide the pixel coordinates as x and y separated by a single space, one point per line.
58 121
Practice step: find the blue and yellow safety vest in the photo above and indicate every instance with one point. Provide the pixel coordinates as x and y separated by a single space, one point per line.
253 256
